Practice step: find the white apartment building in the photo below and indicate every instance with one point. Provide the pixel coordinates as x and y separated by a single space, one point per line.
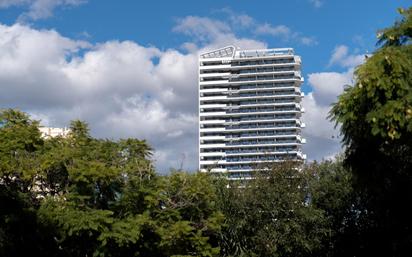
48 132
249 109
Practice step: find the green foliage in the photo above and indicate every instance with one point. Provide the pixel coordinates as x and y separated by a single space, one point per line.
400 33
272 215
20 141
82 196
375 117
331 190
380 103
20 148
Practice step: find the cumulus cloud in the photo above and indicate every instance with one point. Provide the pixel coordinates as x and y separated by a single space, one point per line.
38 9
323 139
341 56
205 30
279 30
328 85
238 19
8 3
242 20
285 33
309 41
201 28
211 34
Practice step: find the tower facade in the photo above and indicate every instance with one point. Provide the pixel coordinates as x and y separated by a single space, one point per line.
249 109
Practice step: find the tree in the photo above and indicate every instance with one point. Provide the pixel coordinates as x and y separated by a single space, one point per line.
20 148
375 119
271 215
82 196
331 190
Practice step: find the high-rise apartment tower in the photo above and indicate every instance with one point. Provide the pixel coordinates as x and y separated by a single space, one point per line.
249 109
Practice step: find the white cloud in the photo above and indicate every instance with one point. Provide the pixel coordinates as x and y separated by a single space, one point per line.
323 139
327 86
309 41
279 30
206 30
285 33
38 9
201 28
341 56
242 20
212 34
316 3
238 20
8 3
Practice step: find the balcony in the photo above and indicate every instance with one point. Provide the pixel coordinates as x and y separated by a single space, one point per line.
211 114
214 82
212 145
210 138
214 75
261 128
211 129
204 122
259 152
277 80
262 134
212 154
212 98
213 90
263 142
212 106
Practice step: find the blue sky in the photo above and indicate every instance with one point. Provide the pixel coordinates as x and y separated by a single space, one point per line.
353 23
120 60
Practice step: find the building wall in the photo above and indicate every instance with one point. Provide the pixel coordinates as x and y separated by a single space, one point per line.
48 132
249 109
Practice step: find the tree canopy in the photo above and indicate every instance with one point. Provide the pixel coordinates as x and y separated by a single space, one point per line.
375 117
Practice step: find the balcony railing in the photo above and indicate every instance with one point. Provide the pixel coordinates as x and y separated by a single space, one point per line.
263 117
261 134
272 85
268 69
263 142
262 126
261 110
262 78
279 93
262 62
267 150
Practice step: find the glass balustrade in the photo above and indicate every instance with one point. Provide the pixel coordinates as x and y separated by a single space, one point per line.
278 149
265 94
263 142
261 110
268 158
260 134
261 126
262 70
266 117
270 85
246 63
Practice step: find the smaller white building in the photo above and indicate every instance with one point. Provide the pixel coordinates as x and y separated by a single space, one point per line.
49 132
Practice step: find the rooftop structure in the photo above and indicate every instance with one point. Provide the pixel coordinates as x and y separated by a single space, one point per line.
49 132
